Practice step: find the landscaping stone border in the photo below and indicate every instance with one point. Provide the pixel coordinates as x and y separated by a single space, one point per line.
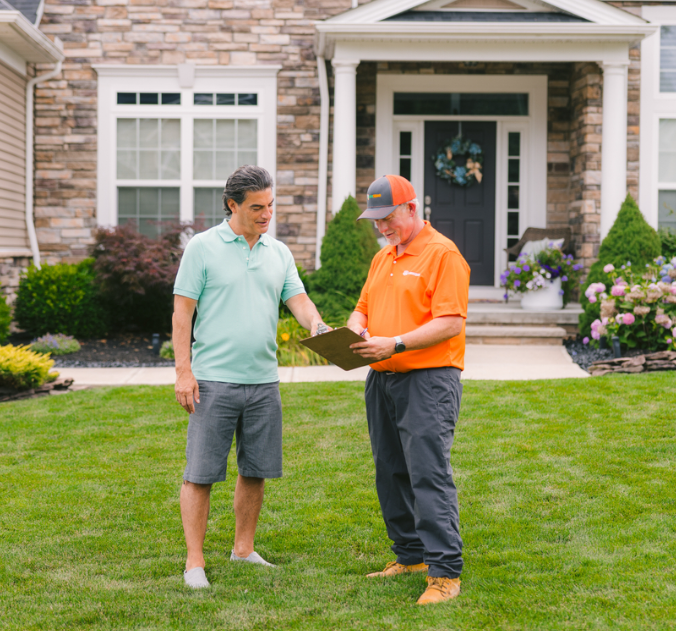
60 385
664 360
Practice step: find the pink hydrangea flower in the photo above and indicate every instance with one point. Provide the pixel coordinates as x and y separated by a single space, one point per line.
609 268
628 318
592 298
604 321
596 335
618 290
585 340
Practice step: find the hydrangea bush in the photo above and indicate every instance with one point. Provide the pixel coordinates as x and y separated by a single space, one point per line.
58 344
637 305
533 272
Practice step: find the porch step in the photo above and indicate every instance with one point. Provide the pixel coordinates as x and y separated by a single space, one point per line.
514 334
511 314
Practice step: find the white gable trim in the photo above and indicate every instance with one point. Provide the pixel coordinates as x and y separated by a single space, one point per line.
592 10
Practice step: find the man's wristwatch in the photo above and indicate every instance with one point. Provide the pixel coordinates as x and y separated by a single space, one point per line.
399 346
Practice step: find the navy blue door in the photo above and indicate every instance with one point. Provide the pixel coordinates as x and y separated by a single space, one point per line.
464 215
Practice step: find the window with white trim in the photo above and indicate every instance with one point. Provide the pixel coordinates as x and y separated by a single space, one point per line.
166 150
666 178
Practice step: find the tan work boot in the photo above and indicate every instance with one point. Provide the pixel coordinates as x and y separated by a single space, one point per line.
394 569
439 589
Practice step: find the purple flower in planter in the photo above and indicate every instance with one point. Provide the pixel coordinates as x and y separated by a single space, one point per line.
561 292
506 296
517 283
564 279
577 267
517 270
585 340
526 268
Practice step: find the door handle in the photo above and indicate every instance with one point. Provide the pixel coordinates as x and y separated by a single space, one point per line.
428 200
428 212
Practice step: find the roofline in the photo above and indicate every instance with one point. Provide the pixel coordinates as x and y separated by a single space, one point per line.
593 10
35 38
501 31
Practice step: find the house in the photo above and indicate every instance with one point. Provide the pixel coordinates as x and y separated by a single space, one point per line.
572 102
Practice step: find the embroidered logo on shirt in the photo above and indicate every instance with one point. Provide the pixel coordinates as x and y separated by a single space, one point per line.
407 273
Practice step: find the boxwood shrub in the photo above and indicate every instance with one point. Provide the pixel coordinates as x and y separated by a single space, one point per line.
62 298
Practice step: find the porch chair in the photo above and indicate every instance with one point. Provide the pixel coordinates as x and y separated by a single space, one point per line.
536 234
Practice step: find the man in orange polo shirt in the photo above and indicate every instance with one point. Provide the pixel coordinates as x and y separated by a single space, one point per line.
411 314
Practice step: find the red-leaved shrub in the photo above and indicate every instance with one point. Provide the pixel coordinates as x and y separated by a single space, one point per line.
136 275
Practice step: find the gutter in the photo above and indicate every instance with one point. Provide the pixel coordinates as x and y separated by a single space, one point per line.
323 156
30 222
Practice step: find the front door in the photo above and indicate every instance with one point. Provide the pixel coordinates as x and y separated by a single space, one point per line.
464 215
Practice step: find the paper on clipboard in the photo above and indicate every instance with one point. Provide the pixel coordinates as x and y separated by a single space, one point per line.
335 346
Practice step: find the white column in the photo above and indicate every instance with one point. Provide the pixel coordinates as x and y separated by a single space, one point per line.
614 143
344 180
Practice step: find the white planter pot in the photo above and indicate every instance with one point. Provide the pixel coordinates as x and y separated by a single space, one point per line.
546 299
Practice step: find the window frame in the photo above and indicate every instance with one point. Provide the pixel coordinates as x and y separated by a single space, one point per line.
186 79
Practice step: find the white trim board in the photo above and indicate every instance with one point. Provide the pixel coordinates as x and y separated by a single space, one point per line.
533 211
654 105
186 80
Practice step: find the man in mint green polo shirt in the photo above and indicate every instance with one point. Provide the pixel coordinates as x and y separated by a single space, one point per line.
234 275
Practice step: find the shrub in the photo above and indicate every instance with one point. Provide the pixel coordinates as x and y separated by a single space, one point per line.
668 241
61 299
5 319
347 251
22 369
136 275
167 350
290 352
58 344
639 305
630 239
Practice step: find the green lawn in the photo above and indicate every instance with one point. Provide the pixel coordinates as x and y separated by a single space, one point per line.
567 504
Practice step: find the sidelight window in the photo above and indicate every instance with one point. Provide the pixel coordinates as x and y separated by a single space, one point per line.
513 187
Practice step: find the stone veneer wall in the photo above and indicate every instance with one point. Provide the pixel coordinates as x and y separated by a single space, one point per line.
224 32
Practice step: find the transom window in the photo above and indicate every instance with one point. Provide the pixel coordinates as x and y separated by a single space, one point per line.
463 104
207 98
148 98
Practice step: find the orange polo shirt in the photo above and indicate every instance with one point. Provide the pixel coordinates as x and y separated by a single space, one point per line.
430 279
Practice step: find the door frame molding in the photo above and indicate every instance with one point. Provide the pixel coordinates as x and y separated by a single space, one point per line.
533 211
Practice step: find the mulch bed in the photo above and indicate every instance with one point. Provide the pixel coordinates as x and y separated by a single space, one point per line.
119 351
585 355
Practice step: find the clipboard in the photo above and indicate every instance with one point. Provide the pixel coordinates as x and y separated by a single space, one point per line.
335 346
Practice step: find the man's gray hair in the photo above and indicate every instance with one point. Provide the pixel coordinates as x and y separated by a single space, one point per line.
414 202
247 178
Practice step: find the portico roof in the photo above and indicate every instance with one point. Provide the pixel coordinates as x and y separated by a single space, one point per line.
482 30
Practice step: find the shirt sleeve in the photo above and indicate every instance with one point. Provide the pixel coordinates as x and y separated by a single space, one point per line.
450 287
191 277
363 302
293 285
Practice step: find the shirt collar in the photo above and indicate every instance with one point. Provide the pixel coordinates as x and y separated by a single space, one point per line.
228 235
418 244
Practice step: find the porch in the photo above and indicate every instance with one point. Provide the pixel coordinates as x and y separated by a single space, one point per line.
547 102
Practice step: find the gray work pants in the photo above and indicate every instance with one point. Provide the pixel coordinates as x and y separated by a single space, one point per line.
411 418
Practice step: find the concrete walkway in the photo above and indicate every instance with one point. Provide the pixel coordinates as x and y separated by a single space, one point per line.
482 361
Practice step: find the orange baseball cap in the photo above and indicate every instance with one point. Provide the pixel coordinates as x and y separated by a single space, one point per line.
385 194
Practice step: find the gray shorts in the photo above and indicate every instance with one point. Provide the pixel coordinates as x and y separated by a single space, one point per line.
251 412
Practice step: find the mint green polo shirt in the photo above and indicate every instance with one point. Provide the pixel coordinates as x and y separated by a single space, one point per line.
238 292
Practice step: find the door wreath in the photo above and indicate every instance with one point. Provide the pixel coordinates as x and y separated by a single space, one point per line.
459 161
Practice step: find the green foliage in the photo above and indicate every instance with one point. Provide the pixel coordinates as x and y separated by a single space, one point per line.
5 319
22 369
668 241
61 298
58 344
631 239
290 352
167 350
347 251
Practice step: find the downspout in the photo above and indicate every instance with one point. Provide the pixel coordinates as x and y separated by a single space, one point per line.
30 224
323 155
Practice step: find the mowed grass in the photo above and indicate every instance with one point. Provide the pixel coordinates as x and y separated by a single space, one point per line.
567 499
